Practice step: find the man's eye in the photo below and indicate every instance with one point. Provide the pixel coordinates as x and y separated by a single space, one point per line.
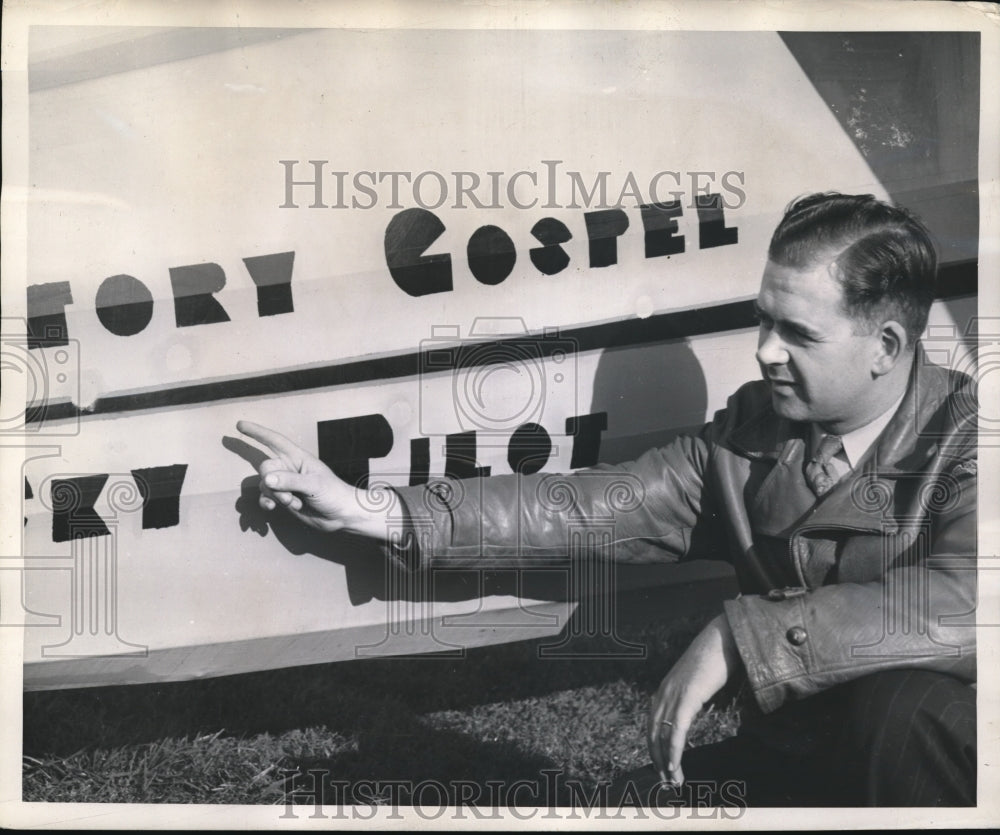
800 337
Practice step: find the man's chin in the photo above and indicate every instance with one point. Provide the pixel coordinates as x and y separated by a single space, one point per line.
787 406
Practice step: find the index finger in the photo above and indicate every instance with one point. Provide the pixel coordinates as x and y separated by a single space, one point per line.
677 740
274 441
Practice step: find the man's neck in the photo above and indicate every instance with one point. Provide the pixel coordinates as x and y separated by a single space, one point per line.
889 391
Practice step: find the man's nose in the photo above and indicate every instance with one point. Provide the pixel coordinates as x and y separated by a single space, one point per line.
770 348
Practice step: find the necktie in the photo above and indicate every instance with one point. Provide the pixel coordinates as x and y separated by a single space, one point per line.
819 473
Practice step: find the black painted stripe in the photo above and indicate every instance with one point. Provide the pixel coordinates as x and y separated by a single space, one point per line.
960 280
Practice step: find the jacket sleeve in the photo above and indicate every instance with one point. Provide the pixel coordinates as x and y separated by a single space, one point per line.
642 511
919 614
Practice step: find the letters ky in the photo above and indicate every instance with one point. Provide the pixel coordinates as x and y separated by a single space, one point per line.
74 515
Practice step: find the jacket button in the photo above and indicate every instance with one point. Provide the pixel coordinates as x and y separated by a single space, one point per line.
797 636
786 593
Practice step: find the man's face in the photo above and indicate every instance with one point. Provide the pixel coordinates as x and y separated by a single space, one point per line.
816 359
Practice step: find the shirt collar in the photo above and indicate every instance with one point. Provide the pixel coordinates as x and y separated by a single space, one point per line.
859 441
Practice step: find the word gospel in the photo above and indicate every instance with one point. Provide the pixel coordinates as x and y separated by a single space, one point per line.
124 304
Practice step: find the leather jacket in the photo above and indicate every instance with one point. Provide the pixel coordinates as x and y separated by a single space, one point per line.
880 573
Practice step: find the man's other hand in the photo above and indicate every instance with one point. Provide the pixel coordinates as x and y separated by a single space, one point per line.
698 675
298 481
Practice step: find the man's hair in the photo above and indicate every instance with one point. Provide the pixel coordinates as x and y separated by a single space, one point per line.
882 255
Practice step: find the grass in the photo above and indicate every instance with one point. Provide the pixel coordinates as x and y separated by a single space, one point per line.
499 714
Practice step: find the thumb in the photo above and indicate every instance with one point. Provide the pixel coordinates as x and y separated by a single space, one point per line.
305 484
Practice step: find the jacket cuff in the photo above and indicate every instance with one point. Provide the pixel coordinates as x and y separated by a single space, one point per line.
773 643
401 545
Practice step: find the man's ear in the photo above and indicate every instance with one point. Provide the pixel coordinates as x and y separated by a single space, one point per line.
892 345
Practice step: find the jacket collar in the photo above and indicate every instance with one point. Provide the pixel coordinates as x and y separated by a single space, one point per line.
764 434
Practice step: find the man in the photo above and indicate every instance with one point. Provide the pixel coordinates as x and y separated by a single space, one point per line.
842 489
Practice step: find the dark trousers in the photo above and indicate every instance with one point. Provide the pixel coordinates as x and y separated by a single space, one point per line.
896 738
